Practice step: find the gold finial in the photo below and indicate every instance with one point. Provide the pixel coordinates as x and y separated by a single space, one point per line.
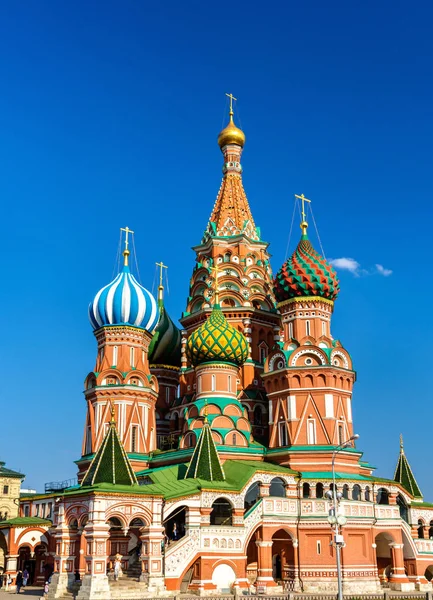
113 417
401 444
205 412
304 224
231 134
216 269
126 251
231 113
161 266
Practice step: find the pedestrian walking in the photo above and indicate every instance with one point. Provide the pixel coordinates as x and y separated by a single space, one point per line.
19 582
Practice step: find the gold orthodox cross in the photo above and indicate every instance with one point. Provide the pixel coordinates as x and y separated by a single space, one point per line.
231 101
127 232
303 199
161 266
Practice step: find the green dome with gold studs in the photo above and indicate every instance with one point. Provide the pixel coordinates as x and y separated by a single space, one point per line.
217 341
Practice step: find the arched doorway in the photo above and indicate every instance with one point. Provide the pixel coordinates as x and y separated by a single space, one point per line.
175 524
429 573
283 559
384 557
252 496
277 488
223 577
221 512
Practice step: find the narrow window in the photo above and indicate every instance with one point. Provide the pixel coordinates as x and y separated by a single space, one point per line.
5 490
307 327
114 356
234 439
134 438
283 434
43 510
340 433
213 388
311 431
88 448
323 327
199 383
263 355
142 356
37 510
167 395
132 357
290 330
50 510
319 547
26 510
229 383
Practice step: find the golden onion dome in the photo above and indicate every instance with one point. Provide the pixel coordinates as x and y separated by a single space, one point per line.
231 135
217 341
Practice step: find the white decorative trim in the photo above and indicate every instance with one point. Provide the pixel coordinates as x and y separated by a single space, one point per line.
301 352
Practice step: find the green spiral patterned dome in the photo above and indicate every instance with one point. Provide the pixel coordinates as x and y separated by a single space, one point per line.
306 273
216 340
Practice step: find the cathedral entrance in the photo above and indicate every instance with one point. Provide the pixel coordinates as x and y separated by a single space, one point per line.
283 559
175 525
384 560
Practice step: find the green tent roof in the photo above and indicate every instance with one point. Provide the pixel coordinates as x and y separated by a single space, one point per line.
205 462
110 464
404 476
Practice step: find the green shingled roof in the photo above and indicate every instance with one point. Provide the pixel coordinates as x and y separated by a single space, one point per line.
205 462
24 522
404 476
110 464
4 472
171 483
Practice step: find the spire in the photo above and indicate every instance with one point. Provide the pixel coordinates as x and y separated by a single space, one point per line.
205 463
404 476
110 464
231 214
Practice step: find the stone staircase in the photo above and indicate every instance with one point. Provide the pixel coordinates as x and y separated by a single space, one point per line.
128 584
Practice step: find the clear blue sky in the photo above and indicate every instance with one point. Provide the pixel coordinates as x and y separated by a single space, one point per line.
109 116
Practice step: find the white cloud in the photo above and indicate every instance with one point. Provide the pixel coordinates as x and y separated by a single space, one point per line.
382 271
347 264
353 266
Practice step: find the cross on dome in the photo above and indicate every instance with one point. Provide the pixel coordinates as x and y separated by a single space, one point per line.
304 223
126 251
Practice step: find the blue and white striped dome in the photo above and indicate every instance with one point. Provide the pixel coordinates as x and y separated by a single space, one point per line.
124 302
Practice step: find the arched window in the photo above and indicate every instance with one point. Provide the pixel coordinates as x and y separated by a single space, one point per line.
403 508
277 488
175 422
306 490
221 512
420 529
252 496
319 490
346 491
430 531
258 415
356 492
233 439
367 494
382 496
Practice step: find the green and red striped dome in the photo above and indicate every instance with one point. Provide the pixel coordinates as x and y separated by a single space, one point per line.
306 273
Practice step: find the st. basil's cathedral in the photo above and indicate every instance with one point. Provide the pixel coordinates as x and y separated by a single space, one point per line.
221 456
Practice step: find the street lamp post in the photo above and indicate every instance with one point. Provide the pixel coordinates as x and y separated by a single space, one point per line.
336 520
